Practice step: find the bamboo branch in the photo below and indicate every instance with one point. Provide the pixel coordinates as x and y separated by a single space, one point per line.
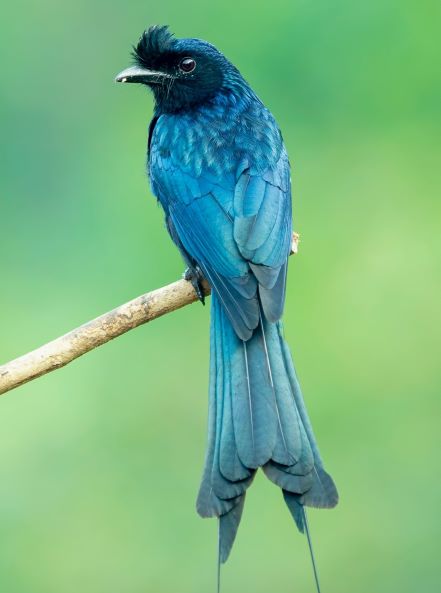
58 353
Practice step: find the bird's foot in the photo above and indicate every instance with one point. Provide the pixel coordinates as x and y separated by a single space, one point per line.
195 276
295 243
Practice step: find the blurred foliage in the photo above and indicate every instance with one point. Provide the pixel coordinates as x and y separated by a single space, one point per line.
100 462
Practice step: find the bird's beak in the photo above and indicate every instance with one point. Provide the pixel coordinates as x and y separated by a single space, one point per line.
143 75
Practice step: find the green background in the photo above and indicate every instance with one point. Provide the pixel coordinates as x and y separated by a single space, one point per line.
100 462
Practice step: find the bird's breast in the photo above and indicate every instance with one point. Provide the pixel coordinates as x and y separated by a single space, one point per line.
216 140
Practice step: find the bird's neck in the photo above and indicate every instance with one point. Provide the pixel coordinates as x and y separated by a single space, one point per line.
235 93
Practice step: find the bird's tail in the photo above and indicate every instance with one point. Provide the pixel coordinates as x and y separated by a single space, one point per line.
257 418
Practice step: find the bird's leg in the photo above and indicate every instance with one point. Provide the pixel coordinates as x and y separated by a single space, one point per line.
194 275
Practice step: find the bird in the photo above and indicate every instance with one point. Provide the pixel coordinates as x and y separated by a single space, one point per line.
219 168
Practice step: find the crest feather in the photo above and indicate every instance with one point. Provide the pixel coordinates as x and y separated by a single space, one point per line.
154 41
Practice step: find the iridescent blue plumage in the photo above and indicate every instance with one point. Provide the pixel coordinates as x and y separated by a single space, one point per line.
219 168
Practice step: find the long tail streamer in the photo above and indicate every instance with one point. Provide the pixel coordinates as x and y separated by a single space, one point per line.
311 550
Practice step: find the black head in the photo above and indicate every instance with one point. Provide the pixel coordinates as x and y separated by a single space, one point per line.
182 73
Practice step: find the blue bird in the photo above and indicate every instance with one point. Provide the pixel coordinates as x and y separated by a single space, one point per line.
220 170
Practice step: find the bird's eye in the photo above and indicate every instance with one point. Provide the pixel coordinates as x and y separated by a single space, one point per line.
187 65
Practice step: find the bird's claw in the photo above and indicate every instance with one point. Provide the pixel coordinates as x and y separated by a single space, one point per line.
195 276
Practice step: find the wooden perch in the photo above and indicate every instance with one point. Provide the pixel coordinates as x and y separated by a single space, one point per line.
61 351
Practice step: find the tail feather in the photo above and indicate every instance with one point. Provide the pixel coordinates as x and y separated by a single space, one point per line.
225 478
257 418
323 493
311 550
230 465
298 513
292 443
293 483
237 477
286 442
228 526
295 508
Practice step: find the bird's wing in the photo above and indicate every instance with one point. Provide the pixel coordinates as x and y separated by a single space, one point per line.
263 230
237 227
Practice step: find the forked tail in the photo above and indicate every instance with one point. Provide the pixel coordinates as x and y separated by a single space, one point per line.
257 418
